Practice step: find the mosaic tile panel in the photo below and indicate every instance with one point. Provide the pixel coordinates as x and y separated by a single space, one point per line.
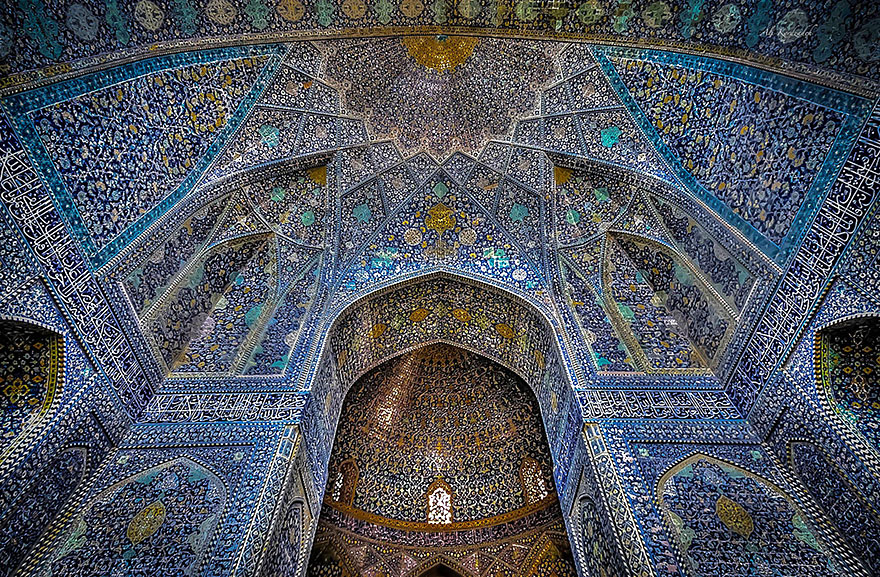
725 521
103 144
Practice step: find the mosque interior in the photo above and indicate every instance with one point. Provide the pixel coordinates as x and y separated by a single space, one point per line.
440 288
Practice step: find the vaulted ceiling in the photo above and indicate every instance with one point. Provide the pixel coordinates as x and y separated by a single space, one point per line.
232 200
440 412
239 208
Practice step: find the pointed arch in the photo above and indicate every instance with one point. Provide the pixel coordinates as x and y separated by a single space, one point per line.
433 309
723 519
525 319
439 567
159 520
490 321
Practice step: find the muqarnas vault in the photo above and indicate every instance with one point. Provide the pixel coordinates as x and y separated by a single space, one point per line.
397 288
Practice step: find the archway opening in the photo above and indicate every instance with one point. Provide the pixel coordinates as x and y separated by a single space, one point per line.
849 374
31 359
440 463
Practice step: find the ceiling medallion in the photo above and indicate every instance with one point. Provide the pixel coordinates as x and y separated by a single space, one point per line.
441 53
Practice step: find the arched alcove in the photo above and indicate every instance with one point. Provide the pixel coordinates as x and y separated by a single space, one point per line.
683 291
848 376
725 520
452 461
443 308
30 380
854 516
657 341
158 521
178 317
663 308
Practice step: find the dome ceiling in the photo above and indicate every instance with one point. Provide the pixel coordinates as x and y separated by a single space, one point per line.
440 413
